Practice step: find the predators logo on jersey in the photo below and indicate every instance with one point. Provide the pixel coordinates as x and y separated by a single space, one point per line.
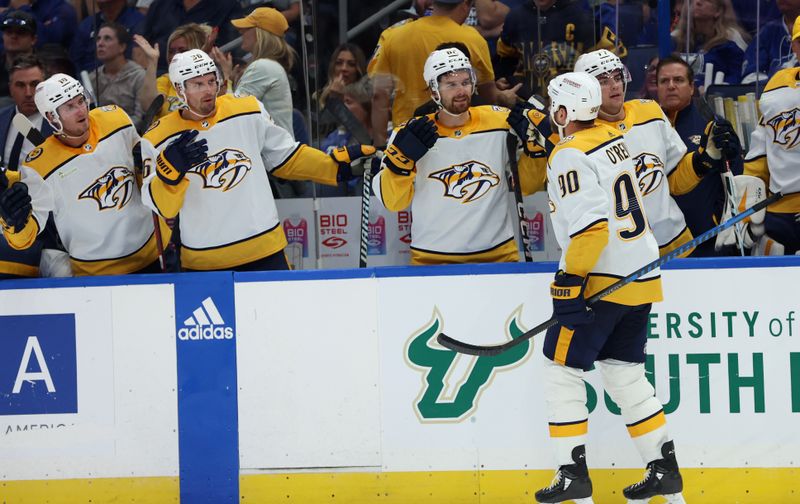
649 172
466 182
112 190
223 170
786 128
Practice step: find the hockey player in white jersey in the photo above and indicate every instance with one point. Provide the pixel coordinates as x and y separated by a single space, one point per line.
450 168
772 163
88 169
663 167
209 162
603 231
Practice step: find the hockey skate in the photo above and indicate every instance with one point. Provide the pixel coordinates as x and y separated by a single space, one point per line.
571 482
661 477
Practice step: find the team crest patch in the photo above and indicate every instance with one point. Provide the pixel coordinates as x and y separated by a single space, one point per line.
223 170
649 172
466 182
114 189
786 128
35 153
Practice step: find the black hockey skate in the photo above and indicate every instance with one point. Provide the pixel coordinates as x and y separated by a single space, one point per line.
661 477
571 482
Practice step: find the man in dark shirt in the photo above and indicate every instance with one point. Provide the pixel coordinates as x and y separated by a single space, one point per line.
82 51
541 39
164 16
19 37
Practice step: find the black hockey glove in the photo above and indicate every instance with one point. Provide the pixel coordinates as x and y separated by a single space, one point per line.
346 157
15 205
569 305
718 143
409 145
532 126
180 155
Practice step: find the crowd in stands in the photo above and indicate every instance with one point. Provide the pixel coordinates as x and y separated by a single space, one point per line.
120 51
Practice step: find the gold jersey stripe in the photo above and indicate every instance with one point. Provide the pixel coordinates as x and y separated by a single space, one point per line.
648 424
569 429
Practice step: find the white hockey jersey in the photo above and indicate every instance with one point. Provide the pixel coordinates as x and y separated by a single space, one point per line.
458 193
97 205
775 143
656 150
228 216
598 217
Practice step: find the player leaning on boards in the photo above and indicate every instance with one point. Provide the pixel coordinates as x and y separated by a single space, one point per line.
599 222
209 162
450 167
772 162
90 178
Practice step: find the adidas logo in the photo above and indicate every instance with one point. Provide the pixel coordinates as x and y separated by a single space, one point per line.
205 324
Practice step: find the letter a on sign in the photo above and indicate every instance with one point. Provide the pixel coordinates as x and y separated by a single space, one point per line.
33 349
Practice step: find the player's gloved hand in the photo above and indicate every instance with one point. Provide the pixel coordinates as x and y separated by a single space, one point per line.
180 155
410 143
718 143
348 157
15 205
569 305
750 190
530 122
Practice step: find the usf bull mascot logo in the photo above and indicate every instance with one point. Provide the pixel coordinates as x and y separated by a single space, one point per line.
223 170
452 383
112 190
786 128
649 172
466 182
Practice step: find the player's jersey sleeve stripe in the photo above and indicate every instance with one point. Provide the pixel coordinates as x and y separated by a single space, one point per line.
288 158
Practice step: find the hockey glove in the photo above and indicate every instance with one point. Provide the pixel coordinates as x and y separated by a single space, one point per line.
410 143
750 190
532 126
15 206
179 156
569 305
718 143
346 157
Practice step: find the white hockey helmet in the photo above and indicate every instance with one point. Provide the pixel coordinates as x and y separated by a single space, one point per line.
188 65
444 61
579 93
601 62
54 92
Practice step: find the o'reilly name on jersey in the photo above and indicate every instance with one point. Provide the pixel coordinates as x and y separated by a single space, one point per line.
206 323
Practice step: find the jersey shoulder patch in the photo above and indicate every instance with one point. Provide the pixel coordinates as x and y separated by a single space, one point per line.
49 156
229 106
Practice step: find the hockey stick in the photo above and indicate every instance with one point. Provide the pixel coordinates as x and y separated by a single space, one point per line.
150 113
28 130
343 116
366 193
511 146
470 349
731 198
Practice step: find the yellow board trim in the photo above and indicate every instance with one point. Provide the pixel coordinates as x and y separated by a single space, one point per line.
702 486
155 490
648 425
562 346
569 430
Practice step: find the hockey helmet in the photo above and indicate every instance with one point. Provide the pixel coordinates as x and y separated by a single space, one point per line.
444 61
601 62
579 93
188 65
54 92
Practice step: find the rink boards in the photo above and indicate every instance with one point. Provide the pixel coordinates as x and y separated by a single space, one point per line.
327 386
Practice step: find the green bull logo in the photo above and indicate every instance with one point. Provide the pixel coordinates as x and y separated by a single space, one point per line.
451 387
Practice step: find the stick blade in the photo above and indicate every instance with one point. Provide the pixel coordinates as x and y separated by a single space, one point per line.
468 348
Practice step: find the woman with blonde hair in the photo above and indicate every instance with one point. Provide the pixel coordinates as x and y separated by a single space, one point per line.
712 40
266 76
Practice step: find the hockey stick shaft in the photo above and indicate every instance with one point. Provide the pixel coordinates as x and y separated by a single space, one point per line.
470 349
511 147
365 203
28 130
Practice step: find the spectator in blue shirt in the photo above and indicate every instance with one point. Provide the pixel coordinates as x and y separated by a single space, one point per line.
771 50
82 51
56 20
